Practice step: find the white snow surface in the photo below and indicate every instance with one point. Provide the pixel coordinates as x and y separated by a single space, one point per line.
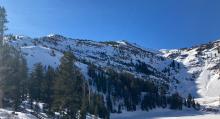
6 114
167 114
204 63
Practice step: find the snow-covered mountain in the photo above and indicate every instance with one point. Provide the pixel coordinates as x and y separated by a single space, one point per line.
190 70
118 55
195 71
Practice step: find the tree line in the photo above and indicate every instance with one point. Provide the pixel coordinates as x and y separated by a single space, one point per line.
124 91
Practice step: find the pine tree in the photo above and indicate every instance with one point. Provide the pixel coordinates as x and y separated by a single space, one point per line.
84 107
185 102
85 101
197 106
193 103
173 65
20 83
3 21
13 73
37 76
48 84
109 103
68 87
175 101
189 101
178 65
119 108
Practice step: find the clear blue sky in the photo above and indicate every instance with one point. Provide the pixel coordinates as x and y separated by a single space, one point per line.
150 23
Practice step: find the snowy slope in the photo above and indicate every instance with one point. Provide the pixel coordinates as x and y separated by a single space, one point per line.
197 73
203 63
119 55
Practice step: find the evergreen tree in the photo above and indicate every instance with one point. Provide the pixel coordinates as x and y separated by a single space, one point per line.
175 101
47 86
85 100
193 103
68 87
109 103
185 102
178 65
119 108
197 106
173 64
189 101
3 21
97 107
13 73
36 78
84 107
145 103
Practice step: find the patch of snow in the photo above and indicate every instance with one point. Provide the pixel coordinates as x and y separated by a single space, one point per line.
166 114
83 68
121 42
6 114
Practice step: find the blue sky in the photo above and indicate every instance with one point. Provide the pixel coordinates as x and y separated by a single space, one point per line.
151 23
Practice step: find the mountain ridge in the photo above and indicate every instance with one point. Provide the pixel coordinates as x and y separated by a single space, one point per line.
121 56
125 56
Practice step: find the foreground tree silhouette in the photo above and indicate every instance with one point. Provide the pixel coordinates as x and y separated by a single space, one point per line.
13 71
3 21
13 75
